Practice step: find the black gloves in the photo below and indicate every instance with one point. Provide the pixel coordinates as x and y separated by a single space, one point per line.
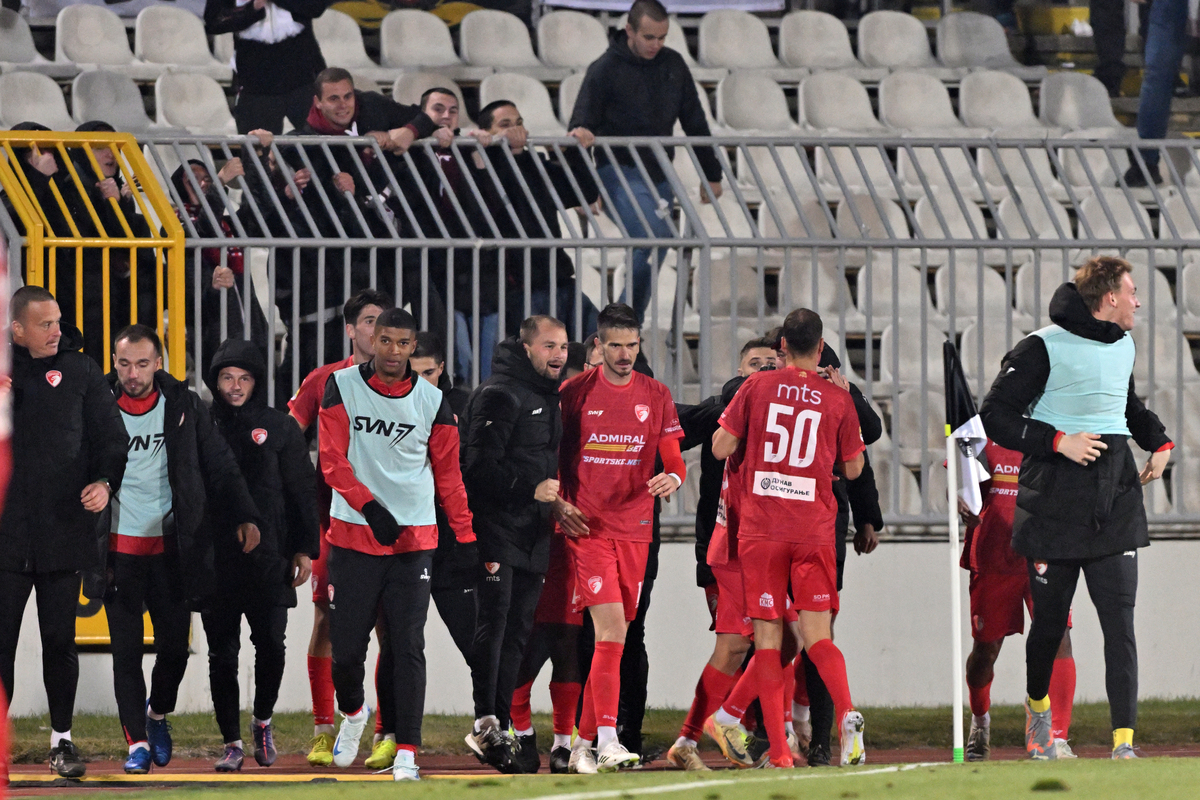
383 525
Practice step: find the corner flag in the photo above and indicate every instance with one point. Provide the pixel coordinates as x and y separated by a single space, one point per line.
964 426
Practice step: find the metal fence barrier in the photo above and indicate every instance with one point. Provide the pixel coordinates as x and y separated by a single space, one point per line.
898 243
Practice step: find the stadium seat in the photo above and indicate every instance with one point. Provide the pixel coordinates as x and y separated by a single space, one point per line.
958 220
1154 294
1036 283
1167 347
94 37
194 102
409 86
835 103
1188 285
19 52
1175 221
1186 484
817 41
726 344
898 41
1000 102
970 40
1011 224
570 39
1077 102
1164 403
858 217
677 41
918 443
936 491
341 43
918 104
874 286
531 98
994 336
838 171
727 219
417 40
173 37
775 178
907 500
968 274
112 98
568 90
500 40
738 40
364 81
954 168
752 102
1010 161
223 47
1129 223
33 97
1089 166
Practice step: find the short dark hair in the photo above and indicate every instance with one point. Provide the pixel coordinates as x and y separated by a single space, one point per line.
531 325
396 318
487 114
139 333
802 330
23 297
437 90
646 8
429 345
1098 276
772 337
330 75
762 341
577 353
360 300
617 315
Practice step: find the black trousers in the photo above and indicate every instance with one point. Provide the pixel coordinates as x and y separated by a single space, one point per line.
1108 28
223 627
1112 584
508 599
635 671
459 609
266 111
398 586
145 583
57 598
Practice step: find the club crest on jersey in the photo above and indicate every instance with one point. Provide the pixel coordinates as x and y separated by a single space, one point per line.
259 435
1040 567
642 412
382 427
595 583
492 567
54 378
766 600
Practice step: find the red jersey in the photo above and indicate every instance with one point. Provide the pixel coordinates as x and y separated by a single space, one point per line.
794 426
610 437
304 406
988 545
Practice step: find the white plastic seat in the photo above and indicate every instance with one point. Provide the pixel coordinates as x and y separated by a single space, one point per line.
570 39
912 291
1189 296
1175 221
953 224
93 36
568 91
194 102
677 41
1163 302
742 261
1012 163
738 40
33 97
837 104
1000 102
871 223
18 53
1036 283
497 39
771 178
1093 167
1075 101
726 344
798 265
175 38
1041 218
1164 404
818 41
967 39
917 442
531 98
917 103
924 163
1167 345
1186 485
994 336
340 38
935 492
1130 223
899 41
409 86
753 102
837 166
417 40
907 501
968 275
109 97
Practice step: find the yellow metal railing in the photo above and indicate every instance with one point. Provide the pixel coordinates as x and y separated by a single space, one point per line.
63 218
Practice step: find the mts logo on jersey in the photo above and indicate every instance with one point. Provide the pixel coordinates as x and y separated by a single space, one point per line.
803 394
383 427
139 443
788 487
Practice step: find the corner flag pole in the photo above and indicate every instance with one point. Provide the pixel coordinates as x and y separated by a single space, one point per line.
956 656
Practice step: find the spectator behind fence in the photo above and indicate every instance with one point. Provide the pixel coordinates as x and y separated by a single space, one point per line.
502 119
1166 39
275 57
639 87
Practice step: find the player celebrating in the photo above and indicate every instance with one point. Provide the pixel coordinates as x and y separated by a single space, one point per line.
614 420
999 590
790 428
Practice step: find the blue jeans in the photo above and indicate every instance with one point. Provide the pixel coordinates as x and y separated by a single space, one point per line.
489 325
638 276
1165 41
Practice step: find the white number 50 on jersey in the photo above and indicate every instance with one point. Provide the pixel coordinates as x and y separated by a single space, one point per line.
806 418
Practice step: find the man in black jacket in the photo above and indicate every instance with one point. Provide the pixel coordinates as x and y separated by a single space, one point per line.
162 532
1065 398
641 88
68 457
273 456
511 431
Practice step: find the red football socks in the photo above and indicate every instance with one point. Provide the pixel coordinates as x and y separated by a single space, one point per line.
604 681
832 666
1062 696
981 698
768 673
320 682
565 699
710 693
522 716
587 714
378 716
800 695
789 691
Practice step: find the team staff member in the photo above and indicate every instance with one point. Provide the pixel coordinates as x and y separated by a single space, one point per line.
359 315
1065 399
614 422
260 585
163 532
68 452
511 432
389 446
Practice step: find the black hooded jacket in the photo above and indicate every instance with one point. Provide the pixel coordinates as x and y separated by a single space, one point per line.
510 432
1105 513
624 95
66 433
209 498
269 68
273 456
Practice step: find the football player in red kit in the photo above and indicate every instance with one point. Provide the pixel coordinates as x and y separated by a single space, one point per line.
790 428
999 596
614 422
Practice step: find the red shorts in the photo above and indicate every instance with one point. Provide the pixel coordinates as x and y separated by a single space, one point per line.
998 603
608 571
768 566
320 574
555 606
730 615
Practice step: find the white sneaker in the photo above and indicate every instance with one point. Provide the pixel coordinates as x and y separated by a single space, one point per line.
1063 750
345 747
613 756
405 768
853 752
582 762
